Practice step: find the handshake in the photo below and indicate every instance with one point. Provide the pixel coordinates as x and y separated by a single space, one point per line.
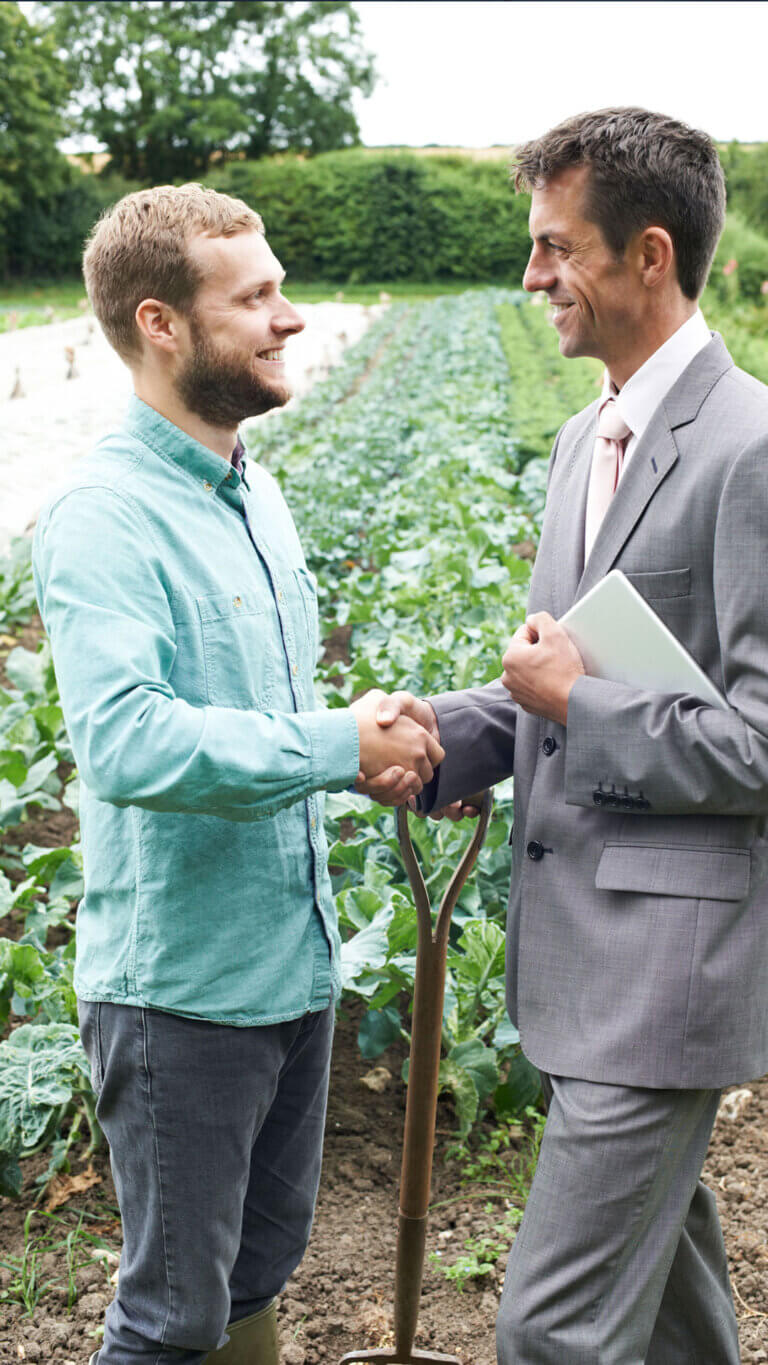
399 749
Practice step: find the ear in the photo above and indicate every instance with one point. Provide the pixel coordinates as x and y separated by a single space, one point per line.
158 324
656 256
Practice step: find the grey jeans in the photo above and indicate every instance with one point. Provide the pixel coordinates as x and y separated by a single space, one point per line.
620 1258
215 1138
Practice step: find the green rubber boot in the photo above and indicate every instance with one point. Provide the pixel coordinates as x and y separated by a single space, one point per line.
252 1341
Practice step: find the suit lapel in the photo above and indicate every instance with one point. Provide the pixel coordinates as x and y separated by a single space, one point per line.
571 517
655 456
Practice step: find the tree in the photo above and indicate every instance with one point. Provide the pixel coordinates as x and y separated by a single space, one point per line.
170 85
33 92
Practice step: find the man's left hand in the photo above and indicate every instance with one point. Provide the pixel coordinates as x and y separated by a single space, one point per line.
541 665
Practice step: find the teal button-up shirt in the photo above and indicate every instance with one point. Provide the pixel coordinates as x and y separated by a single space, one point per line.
183 624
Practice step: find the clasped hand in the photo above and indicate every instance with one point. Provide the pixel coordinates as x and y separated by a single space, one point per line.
399 746
399 782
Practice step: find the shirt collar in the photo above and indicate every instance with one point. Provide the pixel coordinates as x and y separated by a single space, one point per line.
207 468
647 387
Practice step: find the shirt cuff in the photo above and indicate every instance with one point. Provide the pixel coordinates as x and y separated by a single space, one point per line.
335 741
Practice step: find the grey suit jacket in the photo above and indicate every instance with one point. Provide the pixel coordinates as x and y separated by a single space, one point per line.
637 940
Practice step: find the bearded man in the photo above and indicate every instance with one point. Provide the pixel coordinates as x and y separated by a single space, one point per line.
183 625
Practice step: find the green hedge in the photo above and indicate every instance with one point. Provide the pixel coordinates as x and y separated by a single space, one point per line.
355 216
44 238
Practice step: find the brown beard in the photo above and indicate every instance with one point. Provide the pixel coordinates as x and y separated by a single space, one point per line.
221 387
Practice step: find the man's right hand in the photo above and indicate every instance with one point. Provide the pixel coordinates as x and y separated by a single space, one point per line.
403 745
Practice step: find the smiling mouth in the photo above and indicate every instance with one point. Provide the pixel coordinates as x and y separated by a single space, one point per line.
558 308
275 356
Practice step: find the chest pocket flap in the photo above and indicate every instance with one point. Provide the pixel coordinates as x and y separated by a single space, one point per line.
662 583
221 605
720 874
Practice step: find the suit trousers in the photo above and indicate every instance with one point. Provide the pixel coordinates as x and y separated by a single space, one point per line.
215 1138
620 1258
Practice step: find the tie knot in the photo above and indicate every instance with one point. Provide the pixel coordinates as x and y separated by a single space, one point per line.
610 423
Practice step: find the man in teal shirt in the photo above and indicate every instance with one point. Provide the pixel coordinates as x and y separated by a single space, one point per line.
183 624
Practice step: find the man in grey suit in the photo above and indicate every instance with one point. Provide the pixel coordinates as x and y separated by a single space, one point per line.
637 950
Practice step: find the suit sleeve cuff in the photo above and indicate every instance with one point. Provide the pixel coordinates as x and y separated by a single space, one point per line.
593 749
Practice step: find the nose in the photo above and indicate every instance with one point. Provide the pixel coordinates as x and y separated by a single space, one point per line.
540 271
287 319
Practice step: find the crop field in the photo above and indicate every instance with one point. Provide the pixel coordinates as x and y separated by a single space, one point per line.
416 475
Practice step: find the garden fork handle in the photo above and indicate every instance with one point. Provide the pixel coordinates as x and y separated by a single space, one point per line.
484 801
421 1101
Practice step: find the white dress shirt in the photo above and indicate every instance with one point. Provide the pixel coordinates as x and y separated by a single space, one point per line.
639 398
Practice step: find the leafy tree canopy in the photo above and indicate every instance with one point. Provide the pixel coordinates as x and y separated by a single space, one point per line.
33 92
169 85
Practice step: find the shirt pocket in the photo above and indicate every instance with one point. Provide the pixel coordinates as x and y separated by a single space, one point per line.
237 649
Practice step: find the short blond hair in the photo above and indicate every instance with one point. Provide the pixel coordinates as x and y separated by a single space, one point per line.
139 250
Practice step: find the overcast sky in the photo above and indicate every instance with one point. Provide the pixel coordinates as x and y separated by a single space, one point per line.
471 73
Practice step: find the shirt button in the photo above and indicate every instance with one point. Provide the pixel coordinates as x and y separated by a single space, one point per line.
294 669
535 851
208 486
228 477
548 746
279 594
237 601
313 823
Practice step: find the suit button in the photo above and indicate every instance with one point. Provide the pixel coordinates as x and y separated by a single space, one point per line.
535 851
628 803
598 798
548 746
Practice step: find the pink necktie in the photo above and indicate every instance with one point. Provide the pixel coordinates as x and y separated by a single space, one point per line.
607 458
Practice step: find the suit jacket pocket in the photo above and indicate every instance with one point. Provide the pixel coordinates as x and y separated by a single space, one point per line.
664 583
720 874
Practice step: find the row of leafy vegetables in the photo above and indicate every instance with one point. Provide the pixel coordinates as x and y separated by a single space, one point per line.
418 507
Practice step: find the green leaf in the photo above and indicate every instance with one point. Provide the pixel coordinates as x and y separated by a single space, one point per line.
367 950
379 1029
40 1066
521 1088
482 941
479 1062
26 670
10 1176
458 1081
506 1034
